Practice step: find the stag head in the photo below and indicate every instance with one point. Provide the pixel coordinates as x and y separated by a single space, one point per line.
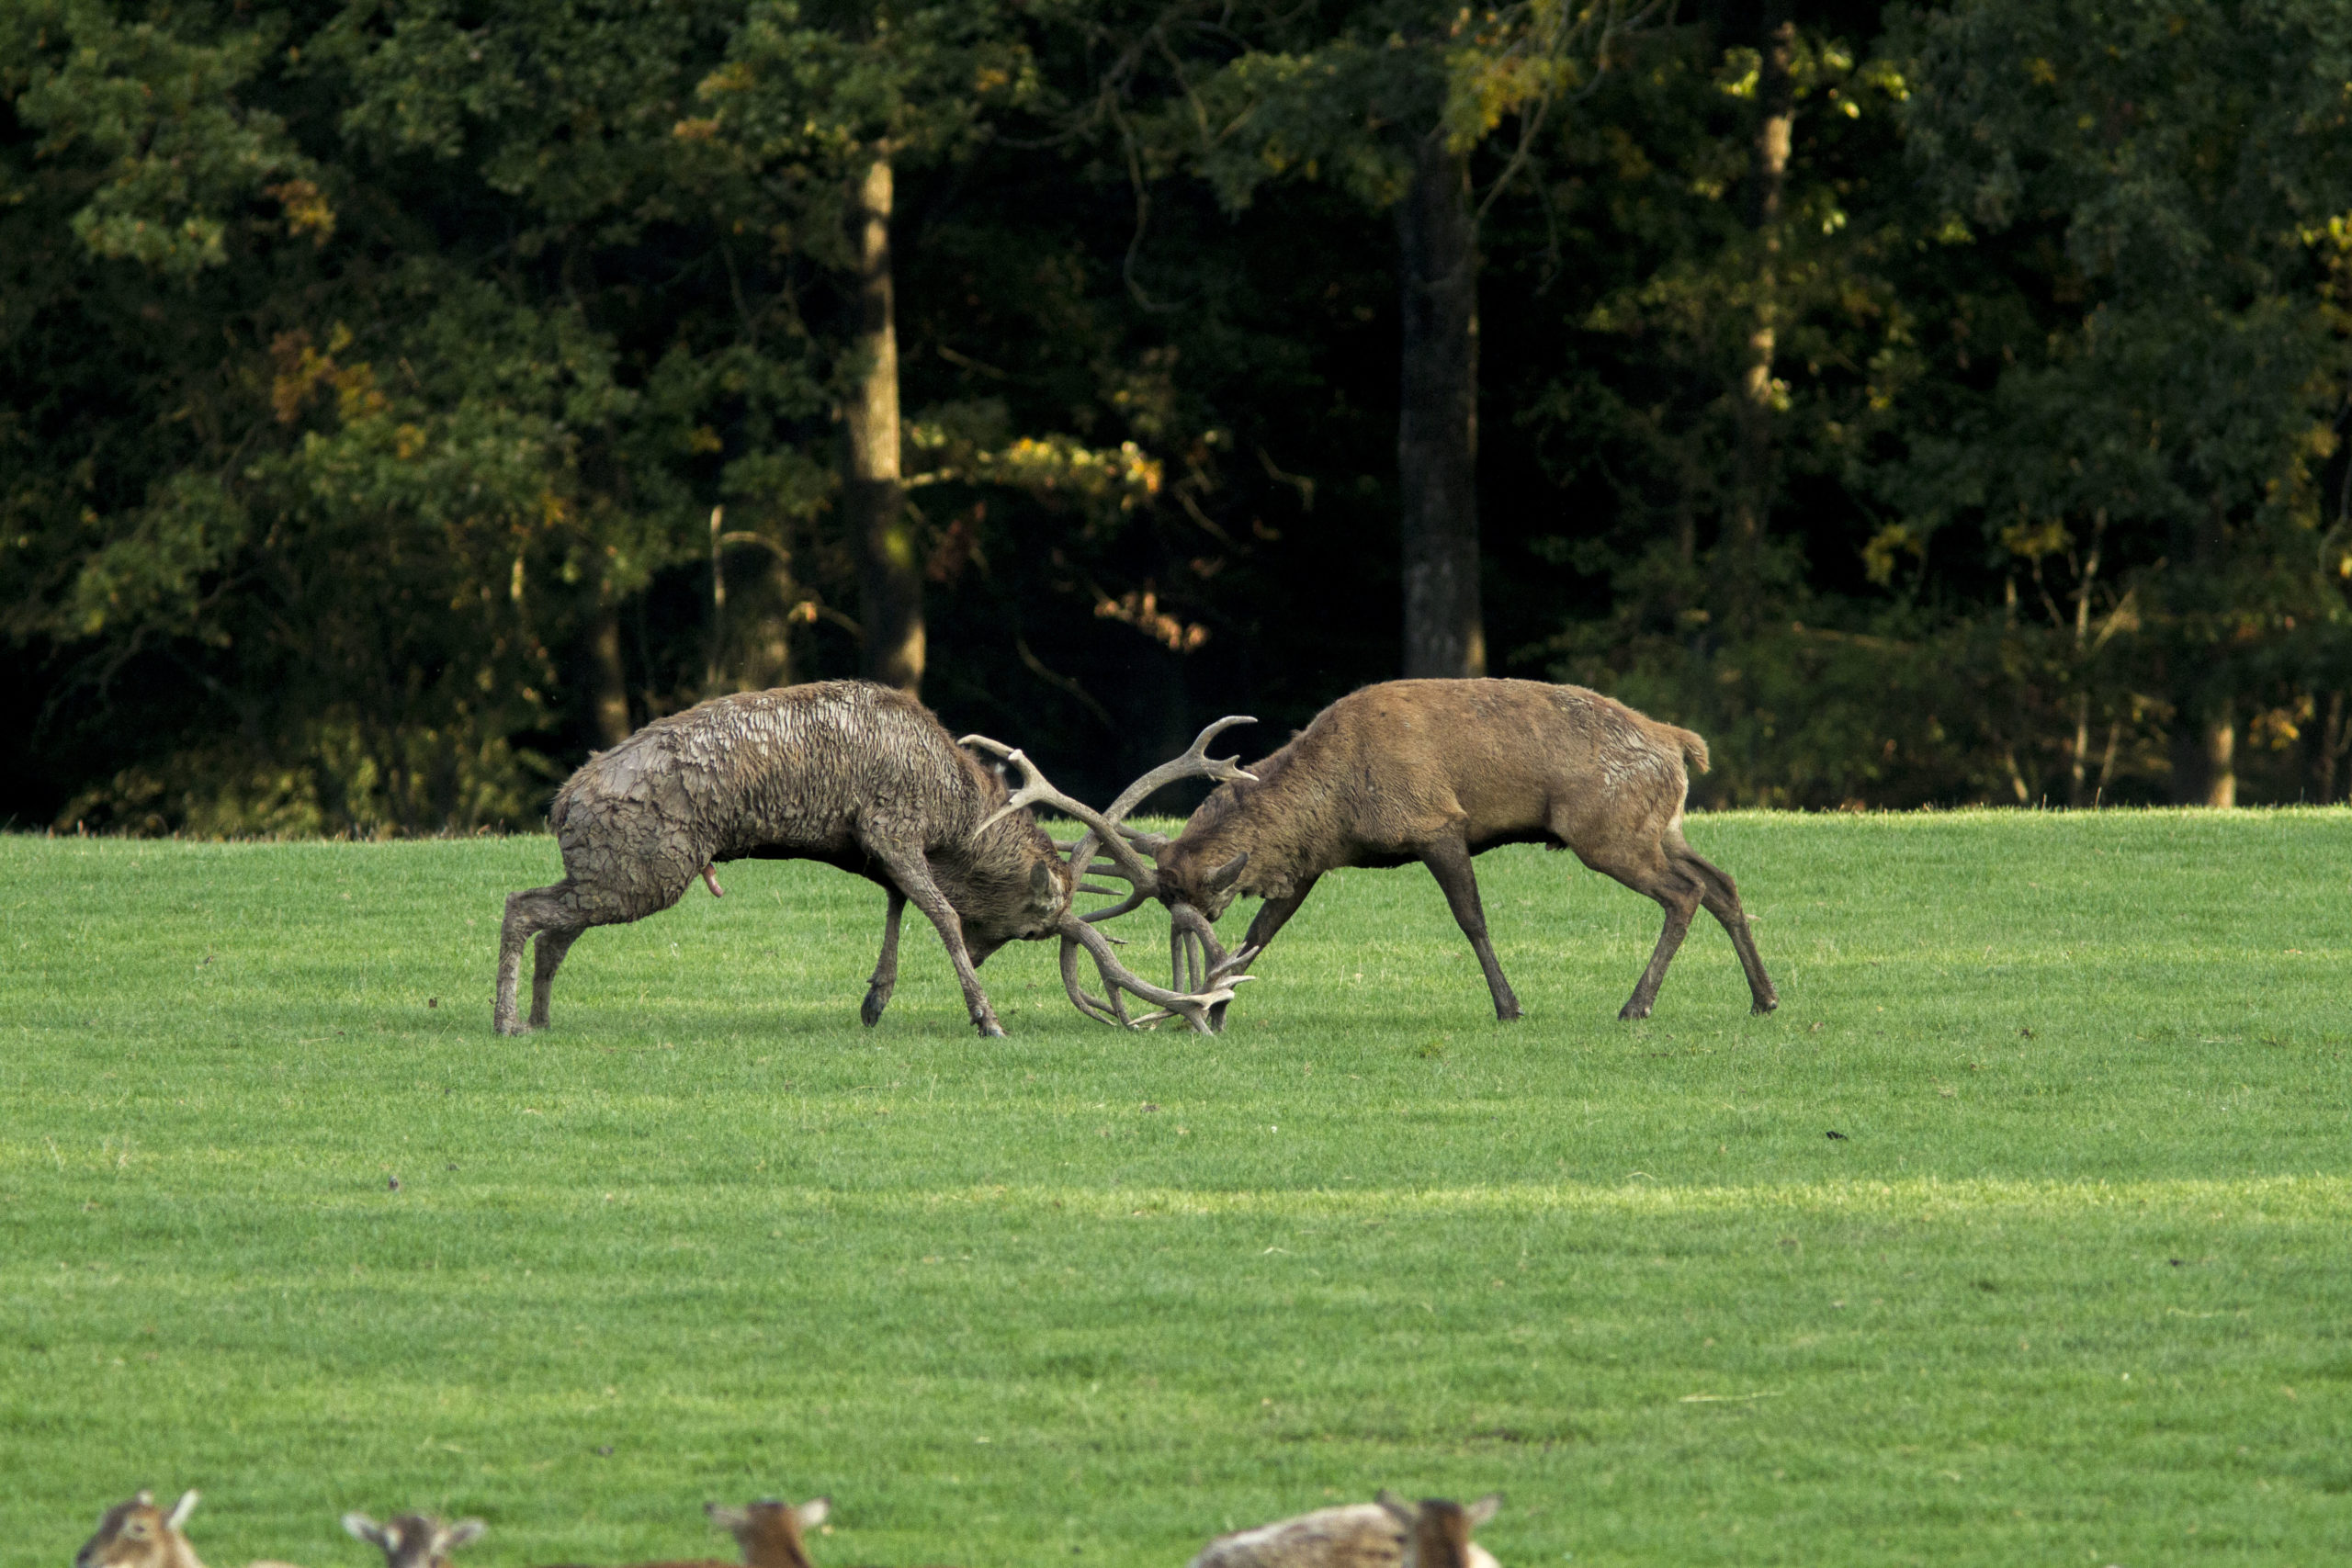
1195 953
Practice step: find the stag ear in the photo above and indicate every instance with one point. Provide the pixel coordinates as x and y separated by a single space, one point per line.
813 1512
456 1535
364 1528
725 1517
1404 1513
1045 887
1225 877
1484 1508
181 1510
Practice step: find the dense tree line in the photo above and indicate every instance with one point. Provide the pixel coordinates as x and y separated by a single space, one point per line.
400 398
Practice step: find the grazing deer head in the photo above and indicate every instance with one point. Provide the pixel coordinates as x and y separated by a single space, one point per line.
415 1540
137 1534
769 1533
1437 1533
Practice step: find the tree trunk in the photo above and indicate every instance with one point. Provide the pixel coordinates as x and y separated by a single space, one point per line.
889 563
1751 490
2220 756
1437 419
611 681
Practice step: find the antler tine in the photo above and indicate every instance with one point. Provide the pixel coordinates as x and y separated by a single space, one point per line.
1194 762
1085 1001
1133 900
1193 1008
1040 789
1110 829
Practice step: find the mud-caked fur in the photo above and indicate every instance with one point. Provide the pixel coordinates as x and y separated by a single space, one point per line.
137 1534
854 774
1438 770
1390 1533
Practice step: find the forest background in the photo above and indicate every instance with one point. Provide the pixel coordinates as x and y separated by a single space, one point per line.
1930 404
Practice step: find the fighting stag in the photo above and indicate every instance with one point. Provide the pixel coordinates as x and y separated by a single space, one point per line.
1437 772
853 774
1202 1003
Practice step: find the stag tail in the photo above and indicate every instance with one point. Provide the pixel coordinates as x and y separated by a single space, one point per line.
1693 747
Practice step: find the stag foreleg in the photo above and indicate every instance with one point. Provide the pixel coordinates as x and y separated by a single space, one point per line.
1449 860
1272 916
885 968
912 878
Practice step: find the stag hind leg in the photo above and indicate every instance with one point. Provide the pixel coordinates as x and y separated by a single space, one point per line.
544 913
1649 870
1449 860
558 913
1721 900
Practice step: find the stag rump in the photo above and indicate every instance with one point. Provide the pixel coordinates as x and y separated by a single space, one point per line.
853 774
1437 772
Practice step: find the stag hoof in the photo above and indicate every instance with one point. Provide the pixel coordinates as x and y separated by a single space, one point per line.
1764 1005
1632 1010
869 1012
989 1028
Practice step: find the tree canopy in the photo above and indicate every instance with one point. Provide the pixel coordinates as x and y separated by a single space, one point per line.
1930 404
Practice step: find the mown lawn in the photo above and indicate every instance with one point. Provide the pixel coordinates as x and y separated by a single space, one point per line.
2074 1286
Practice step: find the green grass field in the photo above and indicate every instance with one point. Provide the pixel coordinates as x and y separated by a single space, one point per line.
2075 1286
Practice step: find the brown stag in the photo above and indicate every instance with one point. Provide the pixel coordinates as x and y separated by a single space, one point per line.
1434 772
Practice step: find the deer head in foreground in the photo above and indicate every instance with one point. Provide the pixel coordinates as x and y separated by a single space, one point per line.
1437 772
769 1533
137 1534
415 1540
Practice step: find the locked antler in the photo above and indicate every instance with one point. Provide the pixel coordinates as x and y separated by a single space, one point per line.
1124 849
1106 829
1192 1007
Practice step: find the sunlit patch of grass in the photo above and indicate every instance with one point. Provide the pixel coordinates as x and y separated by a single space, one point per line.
2067 1285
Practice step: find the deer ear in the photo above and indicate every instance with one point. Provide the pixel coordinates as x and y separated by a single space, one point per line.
1043 886
144 1497
1484 1508
814 1512
725 1517
1404 1513
1225 877
456 1535
181 1510
364 1528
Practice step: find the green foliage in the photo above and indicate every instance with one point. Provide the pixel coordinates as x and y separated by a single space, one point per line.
710 1238
373 373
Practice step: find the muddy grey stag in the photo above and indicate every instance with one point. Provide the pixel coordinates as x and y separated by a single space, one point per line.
853 774
1438 772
